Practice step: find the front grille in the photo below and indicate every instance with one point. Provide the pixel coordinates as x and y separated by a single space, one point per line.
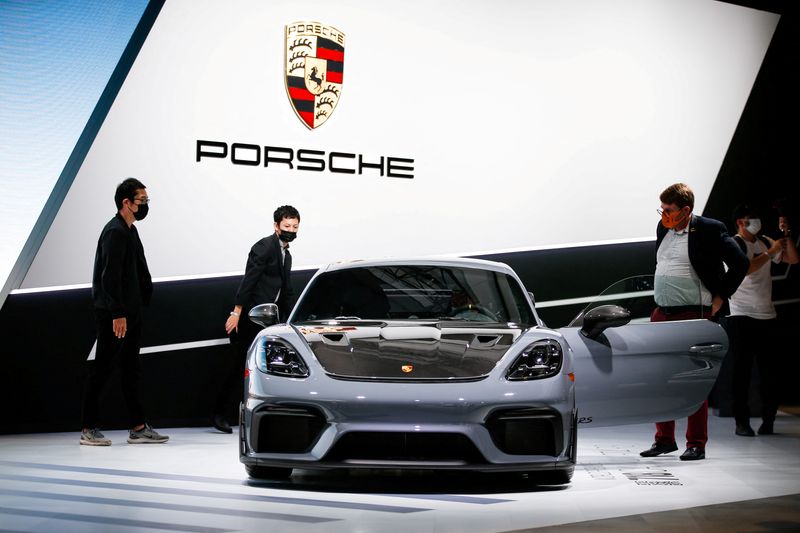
405 447
528 431
286 429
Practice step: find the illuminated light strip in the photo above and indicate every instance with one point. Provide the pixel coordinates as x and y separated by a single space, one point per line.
52 289
184 346
169 347
589 299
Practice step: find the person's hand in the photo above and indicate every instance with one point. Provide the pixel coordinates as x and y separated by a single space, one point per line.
777 247
232 324
716 304
120 327
783 225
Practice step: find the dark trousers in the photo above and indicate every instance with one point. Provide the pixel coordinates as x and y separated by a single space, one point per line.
753 340
230 390
697 423
112 352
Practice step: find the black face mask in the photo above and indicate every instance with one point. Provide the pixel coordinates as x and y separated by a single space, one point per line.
142 212
287 236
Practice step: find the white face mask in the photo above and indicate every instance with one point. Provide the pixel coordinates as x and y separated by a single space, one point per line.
753 226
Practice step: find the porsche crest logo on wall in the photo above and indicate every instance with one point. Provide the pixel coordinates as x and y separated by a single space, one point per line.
314 68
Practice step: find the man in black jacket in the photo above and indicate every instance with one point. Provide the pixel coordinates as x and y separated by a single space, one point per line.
267 279
121 285
691 282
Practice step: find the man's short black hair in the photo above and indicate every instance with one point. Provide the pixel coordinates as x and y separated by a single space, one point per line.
285 211
127 189
744 211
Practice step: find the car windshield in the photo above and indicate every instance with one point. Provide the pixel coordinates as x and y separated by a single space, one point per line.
414 293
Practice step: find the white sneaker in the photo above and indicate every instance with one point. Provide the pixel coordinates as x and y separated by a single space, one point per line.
146 435
93 437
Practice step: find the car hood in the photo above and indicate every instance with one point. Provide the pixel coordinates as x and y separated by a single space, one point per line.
410 352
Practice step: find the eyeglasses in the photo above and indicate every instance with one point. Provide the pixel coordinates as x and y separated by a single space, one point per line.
142 201
667 211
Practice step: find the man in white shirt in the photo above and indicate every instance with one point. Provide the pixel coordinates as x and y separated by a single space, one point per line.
752 321
698 267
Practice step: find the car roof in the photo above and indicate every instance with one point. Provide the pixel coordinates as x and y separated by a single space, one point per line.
458 262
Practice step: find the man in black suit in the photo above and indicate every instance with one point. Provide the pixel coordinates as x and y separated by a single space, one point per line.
691 282
121 285
266 280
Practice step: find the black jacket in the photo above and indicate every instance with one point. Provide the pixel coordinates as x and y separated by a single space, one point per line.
264 276
121 283
709 247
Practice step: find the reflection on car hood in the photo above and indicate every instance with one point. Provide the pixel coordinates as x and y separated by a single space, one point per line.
409 352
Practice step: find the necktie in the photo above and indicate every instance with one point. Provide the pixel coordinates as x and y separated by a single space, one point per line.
287 258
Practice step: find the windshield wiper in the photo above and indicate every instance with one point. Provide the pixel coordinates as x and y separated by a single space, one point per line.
346 318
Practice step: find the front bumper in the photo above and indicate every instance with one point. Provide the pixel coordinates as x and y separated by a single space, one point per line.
482 426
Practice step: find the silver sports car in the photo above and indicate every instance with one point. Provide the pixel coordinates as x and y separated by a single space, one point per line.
445 364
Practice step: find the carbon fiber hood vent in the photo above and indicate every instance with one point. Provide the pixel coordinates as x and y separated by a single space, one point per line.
405 352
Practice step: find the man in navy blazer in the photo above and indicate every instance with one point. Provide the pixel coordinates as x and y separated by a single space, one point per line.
267 279
691 282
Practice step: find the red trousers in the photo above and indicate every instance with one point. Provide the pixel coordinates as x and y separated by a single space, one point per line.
697 423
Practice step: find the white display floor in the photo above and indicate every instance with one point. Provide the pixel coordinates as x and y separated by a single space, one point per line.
49 483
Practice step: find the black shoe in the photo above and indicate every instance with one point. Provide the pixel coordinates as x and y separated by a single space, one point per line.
693 454
766 429
220 424
657 449
744 430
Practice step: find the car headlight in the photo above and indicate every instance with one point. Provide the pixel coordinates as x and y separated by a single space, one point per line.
541 359
278 357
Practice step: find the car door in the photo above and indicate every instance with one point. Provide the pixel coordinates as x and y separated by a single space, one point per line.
642 371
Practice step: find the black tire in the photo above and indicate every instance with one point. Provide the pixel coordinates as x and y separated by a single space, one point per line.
268 472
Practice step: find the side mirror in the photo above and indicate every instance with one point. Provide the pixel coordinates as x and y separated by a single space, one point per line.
602 317
264 315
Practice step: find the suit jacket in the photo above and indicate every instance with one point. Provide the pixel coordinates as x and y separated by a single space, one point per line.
121 282
709 247
265 275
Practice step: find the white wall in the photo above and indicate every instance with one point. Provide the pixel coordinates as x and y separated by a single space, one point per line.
55 60
531 123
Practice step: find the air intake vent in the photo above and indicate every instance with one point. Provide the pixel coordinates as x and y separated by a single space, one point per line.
527 431
286 429
418 448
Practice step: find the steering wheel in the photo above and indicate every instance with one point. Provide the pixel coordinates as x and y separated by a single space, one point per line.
473 312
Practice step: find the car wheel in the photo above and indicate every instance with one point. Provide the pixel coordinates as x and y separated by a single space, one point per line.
267 472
